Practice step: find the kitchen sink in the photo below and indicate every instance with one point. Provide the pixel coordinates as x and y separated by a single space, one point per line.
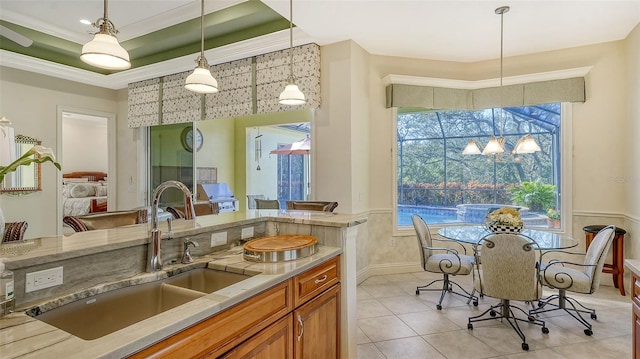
205 280
96 316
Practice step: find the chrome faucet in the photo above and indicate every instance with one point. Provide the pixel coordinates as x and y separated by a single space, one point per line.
186 256
154 257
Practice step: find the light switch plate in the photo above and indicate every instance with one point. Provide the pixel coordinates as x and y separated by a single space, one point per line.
43 279
218 239
246 233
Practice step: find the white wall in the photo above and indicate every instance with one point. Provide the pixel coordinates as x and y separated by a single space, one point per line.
84 145
30 101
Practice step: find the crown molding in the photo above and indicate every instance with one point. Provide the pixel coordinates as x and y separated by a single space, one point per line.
240 50
486 83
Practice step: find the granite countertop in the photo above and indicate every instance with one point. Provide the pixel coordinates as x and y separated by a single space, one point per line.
22 336
31 252
633 265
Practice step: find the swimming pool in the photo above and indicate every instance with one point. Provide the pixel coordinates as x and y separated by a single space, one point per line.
429 214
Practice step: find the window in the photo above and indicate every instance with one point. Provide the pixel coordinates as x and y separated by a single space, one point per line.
435 180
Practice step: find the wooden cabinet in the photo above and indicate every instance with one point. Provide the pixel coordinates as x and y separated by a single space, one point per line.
635 312
299 318
318 326
275 341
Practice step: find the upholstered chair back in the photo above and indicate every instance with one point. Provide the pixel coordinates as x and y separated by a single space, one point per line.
251 200
510 268
424 238
596 254
267 204
324 206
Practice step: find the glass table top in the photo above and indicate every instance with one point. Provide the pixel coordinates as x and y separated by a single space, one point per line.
473 234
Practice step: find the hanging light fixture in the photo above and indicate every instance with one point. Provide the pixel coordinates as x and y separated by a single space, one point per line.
104 51
291 95
201 80
526 144
471 148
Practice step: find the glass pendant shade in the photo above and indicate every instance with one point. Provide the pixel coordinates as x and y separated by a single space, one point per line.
493 147
291 95
105 52
526 144
471 148
201 81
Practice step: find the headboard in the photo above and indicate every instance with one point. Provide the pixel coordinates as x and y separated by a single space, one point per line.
92 176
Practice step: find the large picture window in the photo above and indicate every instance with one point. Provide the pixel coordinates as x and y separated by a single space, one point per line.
436 180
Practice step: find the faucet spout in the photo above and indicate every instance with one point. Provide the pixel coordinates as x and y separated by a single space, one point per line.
154 255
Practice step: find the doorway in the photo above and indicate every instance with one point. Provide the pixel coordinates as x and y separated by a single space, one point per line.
87 144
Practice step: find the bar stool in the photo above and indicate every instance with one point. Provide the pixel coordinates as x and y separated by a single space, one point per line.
617 266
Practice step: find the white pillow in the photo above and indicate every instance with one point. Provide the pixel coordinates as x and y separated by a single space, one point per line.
82 190
74 180
101 191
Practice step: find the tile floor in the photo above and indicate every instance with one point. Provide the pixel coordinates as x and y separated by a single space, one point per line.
395 323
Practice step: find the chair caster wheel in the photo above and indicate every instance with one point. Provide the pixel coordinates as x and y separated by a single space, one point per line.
525 346
594 316
417 292
540 304
531 318
492 313
470 326
588 332
475 303
545 330
439 307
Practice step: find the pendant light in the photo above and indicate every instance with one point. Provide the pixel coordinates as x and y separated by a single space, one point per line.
291 95
471 148
201 80
104 51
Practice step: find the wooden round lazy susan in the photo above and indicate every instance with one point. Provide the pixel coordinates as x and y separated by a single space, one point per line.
280 248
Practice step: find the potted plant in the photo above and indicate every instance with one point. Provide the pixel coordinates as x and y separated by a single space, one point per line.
553 218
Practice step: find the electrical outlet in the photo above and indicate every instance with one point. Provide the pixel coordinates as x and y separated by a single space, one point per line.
246 233
218 239
43 279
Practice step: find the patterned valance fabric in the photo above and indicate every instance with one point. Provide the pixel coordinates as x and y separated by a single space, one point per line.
247 86
564 90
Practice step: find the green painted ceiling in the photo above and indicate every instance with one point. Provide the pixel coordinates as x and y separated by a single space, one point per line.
233 24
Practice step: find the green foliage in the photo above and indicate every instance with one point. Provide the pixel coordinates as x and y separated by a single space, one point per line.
536 195
553 213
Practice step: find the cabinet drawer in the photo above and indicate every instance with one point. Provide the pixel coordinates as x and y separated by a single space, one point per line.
635 289
314 281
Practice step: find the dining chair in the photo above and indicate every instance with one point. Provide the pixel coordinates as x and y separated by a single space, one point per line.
510 272
251 200
325 206
582 278
267 204
451 262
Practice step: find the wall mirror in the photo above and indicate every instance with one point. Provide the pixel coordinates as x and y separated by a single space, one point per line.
26 179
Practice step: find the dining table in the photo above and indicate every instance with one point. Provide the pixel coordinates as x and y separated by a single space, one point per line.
546 240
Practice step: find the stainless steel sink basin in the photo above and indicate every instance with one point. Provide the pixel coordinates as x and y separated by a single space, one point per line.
99 315
205 280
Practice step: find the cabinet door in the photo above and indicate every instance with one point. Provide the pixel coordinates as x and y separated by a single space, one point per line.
317 324
275 341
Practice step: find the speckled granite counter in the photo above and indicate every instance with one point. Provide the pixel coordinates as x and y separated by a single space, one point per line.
22 336
99 260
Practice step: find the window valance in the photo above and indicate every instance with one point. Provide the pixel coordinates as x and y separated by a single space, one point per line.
247 86
563 90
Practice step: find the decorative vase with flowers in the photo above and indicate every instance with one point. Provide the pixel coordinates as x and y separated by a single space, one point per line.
504 220
37 154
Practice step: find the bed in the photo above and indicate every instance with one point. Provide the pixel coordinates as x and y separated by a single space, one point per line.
84 193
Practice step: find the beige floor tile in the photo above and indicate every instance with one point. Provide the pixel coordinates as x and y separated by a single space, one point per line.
371 308
429 322
384 290
362 338
613 348
385 328
405 304
537 354
390 322
369 351
460 344
408 348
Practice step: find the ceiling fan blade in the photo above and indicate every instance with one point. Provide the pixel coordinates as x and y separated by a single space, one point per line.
15 37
